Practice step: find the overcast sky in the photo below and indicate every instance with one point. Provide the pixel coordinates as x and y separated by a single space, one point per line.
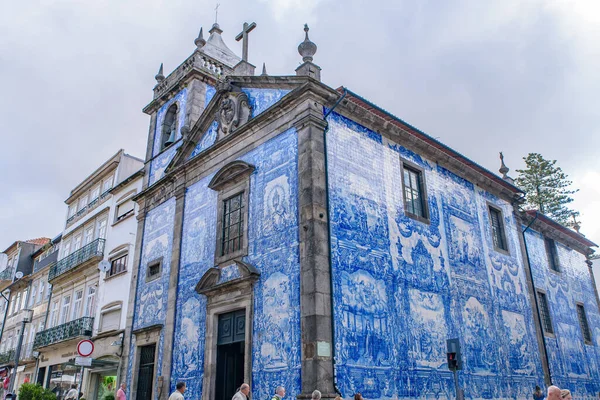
481 76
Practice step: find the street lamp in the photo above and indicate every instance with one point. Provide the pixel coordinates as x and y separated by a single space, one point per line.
27 317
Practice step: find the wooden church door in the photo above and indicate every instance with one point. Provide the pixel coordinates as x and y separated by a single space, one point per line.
230 354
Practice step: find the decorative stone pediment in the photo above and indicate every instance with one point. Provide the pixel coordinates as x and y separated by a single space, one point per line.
234 109
217 278
230 173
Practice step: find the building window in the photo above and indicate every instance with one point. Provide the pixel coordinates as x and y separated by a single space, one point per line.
101 229
82 204
89 235
54 314
124 210
64 311
77 305
18 303
545 313
90 302
552 254
95 195
77 243
169 128
233 224
498 233
107 185
40 294
415 199
583 322
118 265
33 294
110 320
154 270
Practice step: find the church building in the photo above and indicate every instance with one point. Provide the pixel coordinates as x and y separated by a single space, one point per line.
291 234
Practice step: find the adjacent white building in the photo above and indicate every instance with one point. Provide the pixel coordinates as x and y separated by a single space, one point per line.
90 280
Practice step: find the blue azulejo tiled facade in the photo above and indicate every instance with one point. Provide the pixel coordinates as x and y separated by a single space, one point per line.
342 289
151 299
273 251
402 287
573 362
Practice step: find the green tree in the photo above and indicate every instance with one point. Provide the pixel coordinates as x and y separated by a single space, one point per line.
547 188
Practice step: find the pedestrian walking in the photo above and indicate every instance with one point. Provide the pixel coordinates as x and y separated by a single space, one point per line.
279 393
538 394
121 392
316 395
73 393
179 391
565 394
554 393
242 394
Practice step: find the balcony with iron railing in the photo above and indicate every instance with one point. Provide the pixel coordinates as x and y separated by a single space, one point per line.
70 330
7 357
44 262
6 275
89 252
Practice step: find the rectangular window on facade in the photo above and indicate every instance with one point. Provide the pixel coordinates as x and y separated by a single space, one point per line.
88 236
64 311
110 320
72 210
54 314
415 201
545 312
233 224
90 302
40 294
33 294
124 210
154 270
77 243
118 265
24 301
107 184
95 194
552 254
77 300
498 233
18 303
66 249
82 204
101 229
583 322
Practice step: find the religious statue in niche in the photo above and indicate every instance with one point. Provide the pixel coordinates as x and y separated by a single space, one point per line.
234 110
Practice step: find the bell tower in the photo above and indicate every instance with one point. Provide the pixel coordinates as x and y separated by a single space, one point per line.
181 96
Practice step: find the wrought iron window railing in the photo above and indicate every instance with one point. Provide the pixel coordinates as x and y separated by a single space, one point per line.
6 275
87 252
7 357
72 329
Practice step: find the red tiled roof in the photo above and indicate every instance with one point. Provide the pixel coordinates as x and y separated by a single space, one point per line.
571 233
39 241
388 117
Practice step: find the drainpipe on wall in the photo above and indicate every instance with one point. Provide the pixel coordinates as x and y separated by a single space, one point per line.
339 100
537 307
5 314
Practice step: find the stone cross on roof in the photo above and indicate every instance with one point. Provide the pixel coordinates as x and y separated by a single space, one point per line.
244 35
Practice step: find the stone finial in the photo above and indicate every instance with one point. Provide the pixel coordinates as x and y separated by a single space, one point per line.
264 70
576 224
504 170
160 77
199 41
307 49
